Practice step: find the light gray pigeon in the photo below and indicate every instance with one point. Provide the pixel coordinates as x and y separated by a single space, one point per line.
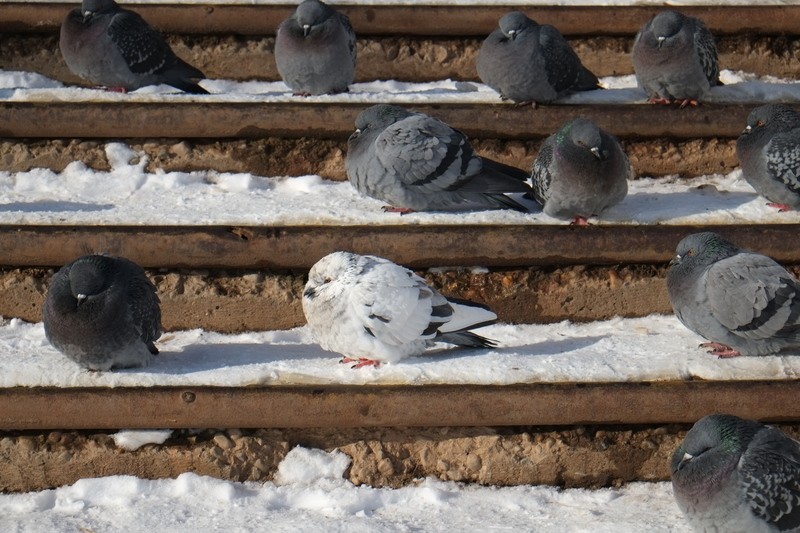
531 63
418 163
371 310
734 475
675 59
743 302
580 171
769 154
114 47
102 312
315 50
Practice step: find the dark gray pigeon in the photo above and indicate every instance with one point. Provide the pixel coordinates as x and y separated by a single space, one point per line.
735 475
675 59
315 50
418 163
769 154
743 302
116 48
102 312
580 171
531 63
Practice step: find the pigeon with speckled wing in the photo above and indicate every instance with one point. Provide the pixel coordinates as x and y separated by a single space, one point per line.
102 312
734 475
418 163
675 58
531 63
107 45
315 50
580 171
744 303
769 154
371 310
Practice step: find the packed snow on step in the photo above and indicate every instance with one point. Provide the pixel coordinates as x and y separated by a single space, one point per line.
310 494
652 348
740 87
128 194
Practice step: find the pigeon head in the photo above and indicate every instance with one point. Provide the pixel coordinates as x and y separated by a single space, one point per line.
512 24
702 249
585 134
94 7
665 25
711 449
378 117
327 274
771 117
89 277
310 14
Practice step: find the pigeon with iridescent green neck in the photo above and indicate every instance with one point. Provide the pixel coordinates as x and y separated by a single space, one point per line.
737 476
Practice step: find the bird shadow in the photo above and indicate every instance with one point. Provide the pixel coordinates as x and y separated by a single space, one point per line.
550 347
203 357
659 206
53 206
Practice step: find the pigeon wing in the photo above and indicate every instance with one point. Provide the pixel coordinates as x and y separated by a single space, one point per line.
393 304
754 297
427 153
783 159
143 48
541 175
770 476
706 51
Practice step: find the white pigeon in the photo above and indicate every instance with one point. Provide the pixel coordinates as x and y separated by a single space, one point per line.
371 311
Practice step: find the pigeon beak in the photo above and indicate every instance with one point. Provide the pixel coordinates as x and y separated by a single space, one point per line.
87 15
747 130
310 293
354 135
306 29
81 298
596 151
660 40
686 459
675 260
512 34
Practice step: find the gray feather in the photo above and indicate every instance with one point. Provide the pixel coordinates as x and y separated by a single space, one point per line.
769 153
414 161
529 62
107 45
731 474
315 50
675 58
102 312
734 297
580 171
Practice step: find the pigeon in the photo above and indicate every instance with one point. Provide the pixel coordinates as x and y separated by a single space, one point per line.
769 154
580 171
675 59
529 62
418 163
103 313
744 303
116 48
315 50
736 475
371 310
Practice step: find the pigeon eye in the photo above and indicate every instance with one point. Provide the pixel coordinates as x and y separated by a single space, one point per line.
690 252
760 123
327 280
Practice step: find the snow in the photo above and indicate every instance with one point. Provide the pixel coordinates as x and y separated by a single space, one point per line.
652 348
129 195
130 440
315 497
740 87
